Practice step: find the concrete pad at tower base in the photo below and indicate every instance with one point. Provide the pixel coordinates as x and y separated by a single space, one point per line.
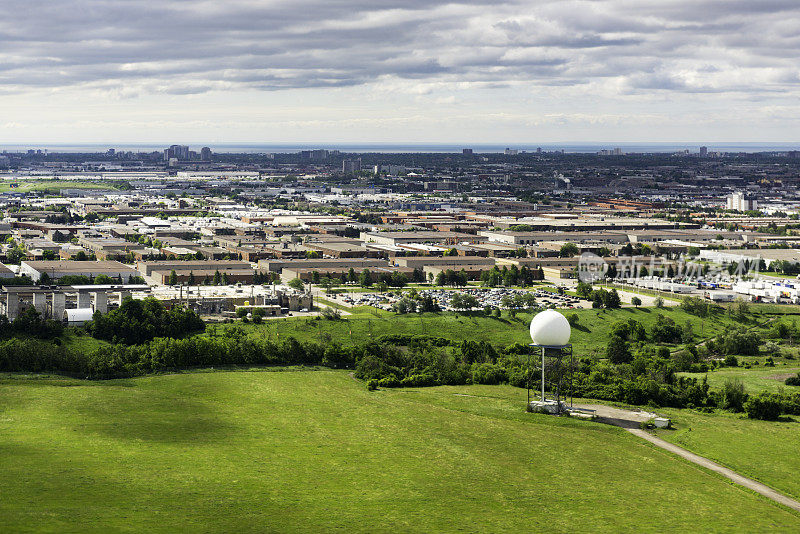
622 417
547 406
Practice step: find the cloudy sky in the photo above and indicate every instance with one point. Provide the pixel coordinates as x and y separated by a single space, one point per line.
527 71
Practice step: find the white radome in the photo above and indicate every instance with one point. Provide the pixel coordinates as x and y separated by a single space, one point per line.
550 328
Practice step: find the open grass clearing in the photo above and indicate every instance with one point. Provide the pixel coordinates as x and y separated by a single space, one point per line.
589 336
51 186
763 450
315 451
755 379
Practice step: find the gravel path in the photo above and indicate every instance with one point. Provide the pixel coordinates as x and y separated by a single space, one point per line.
630 420
756 486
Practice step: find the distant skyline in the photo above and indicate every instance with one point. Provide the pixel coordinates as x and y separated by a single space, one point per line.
574 147
522 72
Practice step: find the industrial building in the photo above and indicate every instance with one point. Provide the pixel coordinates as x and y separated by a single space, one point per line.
55 269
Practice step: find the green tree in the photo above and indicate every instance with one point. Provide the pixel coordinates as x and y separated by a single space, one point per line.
617 350
296 283
611 299
584 290
569 250
365 278
173 278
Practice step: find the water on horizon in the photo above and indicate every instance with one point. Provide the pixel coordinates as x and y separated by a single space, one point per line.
415 148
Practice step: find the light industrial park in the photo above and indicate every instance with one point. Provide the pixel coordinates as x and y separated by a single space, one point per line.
420 267
656 286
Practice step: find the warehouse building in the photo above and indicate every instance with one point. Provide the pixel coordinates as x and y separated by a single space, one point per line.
56 269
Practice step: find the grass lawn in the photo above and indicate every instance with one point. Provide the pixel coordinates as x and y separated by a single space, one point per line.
84 343
589 337
755 379
763 450
51 186
315 451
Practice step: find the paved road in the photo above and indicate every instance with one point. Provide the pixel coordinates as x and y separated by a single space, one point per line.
630 419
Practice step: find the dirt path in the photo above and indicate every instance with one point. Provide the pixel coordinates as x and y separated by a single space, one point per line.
630 420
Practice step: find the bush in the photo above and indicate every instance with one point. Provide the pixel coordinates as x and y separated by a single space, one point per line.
765 406
730 361
332 314
733 396
415 381
739 342
618 351
488 373
665 330
389 382
793 380
138 321
696 306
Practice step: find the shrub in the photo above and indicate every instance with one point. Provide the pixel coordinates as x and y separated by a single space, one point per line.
422 380
765 406
730 361
138 321
389 382
733 395
793 380
332 314
739 342
617 350
665 330
488 373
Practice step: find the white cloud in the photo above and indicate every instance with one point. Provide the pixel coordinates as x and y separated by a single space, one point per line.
359 60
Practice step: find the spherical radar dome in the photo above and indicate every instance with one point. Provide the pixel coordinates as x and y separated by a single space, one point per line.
550 328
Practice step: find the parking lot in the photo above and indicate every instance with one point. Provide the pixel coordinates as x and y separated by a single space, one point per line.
494 298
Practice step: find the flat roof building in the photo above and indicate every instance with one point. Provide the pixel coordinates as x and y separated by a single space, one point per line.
92 269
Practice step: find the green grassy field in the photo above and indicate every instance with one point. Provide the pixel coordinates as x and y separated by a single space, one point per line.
763 450
755 379
51 186
83 343
589 337
315 451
